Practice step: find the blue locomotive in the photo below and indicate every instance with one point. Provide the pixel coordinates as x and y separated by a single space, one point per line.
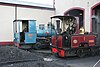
43 32
26 34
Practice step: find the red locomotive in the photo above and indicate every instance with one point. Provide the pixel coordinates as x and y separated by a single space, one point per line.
67 43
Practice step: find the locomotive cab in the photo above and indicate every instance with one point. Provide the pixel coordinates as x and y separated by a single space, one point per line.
24 33
65 26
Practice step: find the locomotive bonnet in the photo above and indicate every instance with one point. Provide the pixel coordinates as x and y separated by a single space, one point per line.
43 32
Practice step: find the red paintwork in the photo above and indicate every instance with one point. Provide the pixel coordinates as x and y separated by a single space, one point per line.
59 41
53 40
54 50
90 39
61 53
6 43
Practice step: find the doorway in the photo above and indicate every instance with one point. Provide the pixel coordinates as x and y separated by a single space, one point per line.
78 13
96 21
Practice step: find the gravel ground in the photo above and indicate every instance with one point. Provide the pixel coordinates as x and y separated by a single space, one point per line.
10 53
11 56
33 64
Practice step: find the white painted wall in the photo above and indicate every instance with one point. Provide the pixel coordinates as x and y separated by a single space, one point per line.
41 16
6 23
64 5
7 16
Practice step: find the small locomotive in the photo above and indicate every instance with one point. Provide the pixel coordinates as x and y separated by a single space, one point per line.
66 43
27 36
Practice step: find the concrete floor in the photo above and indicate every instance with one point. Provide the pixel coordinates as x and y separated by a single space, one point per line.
79 62
74 61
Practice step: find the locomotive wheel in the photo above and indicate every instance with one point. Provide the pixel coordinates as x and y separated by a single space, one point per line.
81 53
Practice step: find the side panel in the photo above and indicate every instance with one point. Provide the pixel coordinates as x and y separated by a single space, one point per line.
76 40
17 34
32 26
85 39
30 37
57 41
90 39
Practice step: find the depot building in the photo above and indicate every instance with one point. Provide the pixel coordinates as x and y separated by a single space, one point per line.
87 13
